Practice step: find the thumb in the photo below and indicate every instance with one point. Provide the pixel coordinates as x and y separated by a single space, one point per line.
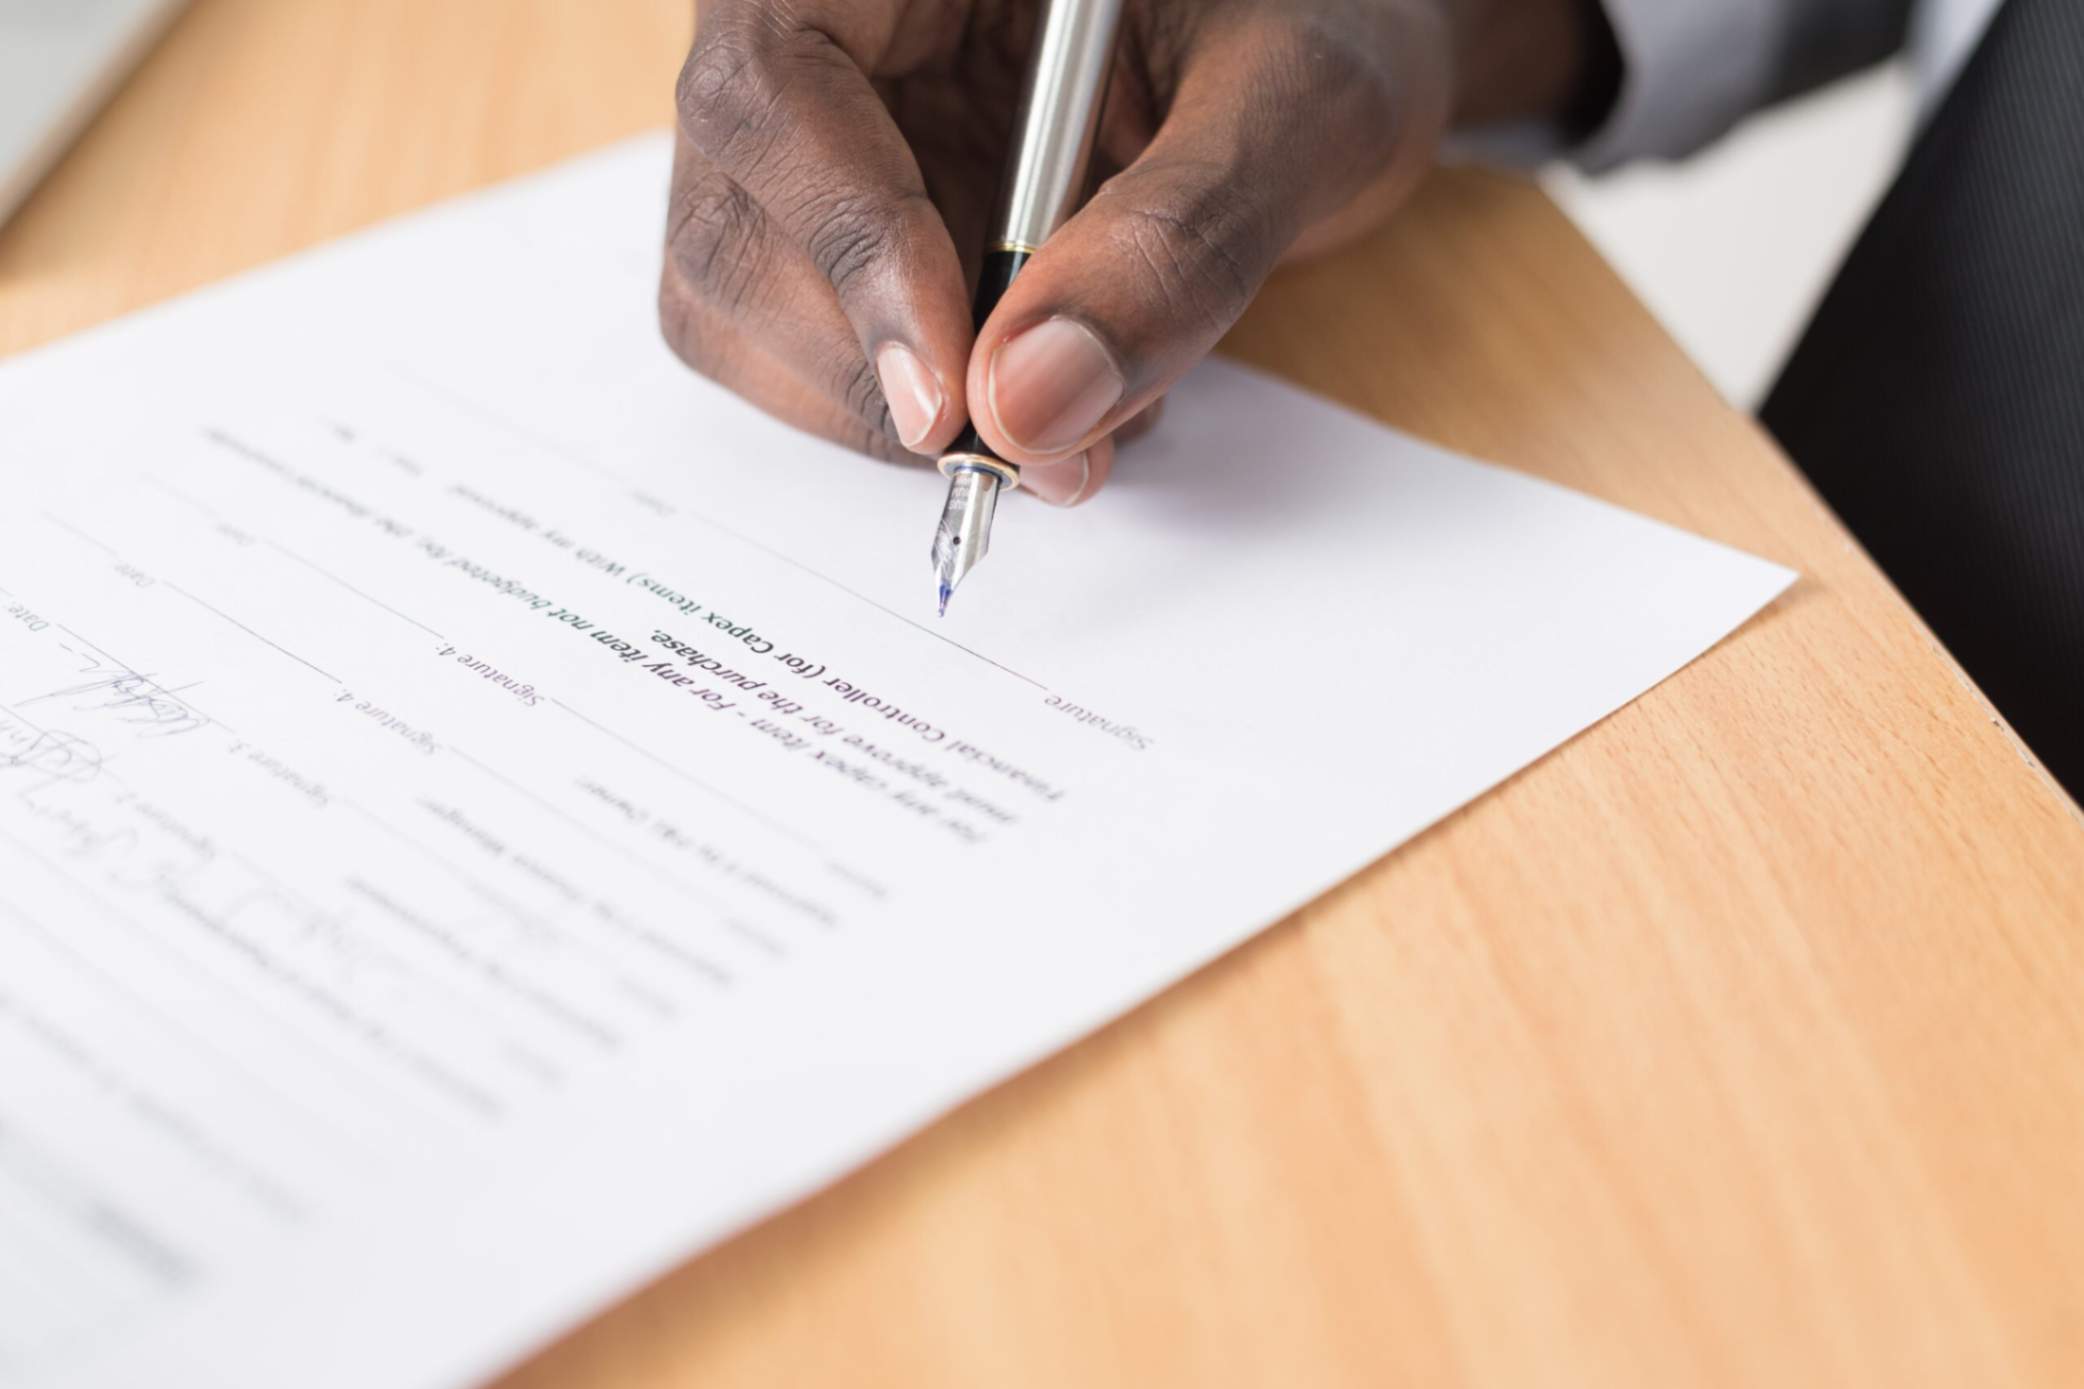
1136 288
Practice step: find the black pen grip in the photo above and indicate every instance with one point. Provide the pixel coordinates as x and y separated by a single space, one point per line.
1000 268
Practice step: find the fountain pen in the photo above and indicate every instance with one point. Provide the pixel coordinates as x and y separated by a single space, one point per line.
1059 118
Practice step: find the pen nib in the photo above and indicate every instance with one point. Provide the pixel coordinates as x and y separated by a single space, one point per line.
964 534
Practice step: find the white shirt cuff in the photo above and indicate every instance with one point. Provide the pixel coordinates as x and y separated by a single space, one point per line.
1690 70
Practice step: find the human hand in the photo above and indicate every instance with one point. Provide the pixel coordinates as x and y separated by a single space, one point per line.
838 161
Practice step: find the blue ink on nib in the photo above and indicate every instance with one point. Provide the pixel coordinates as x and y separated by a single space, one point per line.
946 589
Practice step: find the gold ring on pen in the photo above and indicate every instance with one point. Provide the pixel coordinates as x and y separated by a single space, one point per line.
1008 473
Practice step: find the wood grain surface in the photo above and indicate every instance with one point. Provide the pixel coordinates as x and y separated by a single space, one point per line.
1741 1042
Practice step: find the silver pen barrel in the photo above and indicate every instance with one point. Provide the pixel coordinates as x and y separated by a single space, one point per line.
1053 134
1058 121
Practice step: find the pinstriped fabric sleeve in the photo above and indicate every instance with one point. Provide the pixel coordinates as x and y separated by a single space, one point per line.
1694 68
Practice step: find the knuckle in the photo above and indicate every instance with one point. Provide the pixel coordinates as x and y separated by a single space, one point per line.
850 234
1199 247
729 90
1335 65
716 239
861 391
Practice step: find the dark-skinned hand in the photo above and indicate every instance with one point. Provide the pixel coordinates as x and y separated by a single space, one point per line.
838 161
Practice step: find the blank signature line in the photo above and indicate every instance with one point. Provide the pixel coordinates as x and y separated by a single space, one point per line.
202 603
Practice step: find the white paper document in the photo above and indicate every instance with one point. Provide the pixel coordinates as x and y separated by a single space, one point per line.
484 813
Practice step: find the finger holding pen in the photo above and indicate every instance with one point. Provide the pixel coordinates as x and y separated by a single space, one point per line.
805 241
836 158
1280 118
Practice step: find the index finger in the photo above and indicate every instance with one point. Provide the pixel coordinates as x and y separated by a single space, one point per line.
778 97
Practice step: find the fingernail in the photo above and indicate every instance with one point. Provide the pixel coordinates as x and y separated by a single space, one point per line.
1060 484
1052 385
914 396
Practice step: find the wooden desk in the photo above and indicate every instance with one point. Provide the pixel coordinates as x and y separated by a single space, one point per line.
1740 1042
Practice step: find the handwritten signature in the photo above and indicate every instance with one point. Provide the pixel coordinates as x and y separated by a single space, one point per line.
55 757
134 698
